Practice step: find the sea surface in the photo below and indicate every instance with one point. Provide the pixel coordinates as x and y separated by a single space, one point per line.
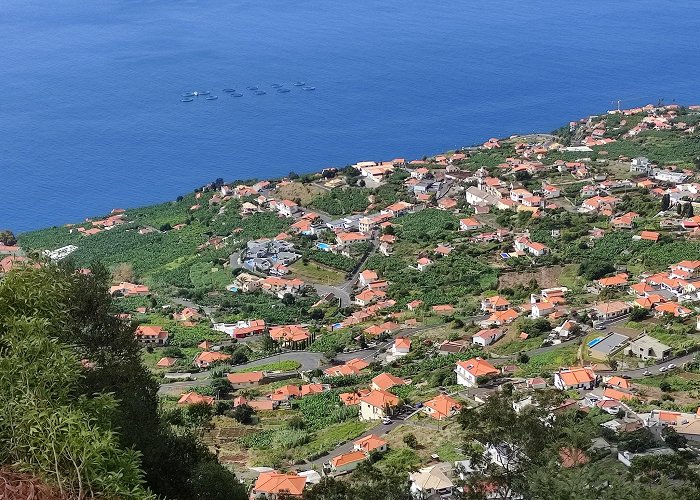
91 118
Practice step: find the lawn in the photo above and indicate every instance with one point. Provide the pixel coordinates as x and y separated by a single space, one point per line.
517 345
317 273
287 365
444 442
549 361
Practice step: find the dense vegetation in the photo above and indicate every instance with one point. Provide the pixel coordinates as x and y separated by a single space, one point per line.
91 429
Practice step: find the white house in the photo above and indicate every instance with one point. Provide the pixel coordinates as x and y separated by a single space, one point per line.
487 337
470 224
377 405
468 372
401 347
574 378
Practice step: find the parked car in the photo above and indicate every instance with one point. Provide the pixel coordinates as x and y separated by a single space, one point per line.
671 366
663 369
626 377
600 327
386 420
646 373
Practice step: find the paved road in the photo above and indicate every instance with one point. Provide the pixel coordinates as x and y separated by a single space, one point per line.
339 292
344 290
308 360
654 369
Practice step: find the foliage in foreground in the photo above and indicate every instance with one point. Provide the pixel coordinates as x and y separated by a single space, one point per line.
77 406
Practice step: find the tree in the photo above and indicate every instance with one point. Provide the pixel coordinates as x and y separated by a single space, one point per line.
368 483
288 299
243 414
665 202
7 237
46 424
672 438
517 438
123 272
638 314
293 175
410 440
78 310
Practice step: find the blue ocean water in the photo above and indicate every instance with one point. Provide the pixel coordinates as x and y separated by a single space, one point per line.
91 118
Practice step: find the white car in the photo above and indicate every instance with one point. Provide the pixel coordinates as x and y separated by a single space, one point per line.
671 366
386 420
663 369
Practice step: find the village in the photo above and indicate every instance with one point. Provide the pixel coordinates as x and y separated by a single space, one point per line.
327 321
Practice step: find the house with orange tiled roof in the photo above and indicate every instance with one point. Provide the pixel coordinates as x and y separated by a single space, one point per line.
367 276
192 398
487 336
469 224
398 209
606 311
441 407
500 318
151 335
625 221
353 398
367 297
285 393
401 347
207 358
127 289
524 244
274 485
290 335
619 382
423 263
352 367
370 443
618 281
166 362
413 305
617 394
385 381
377 405
641 289
245 379
574 378
649 236
471 371
187 314
648 302
495 303
447 204
673 309
345 462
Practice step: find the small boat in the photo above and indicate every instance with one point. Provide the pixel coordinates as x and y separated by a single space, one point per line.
212 97
260 92
252 88
283 90
189 94
186 99
236 94
299 84
276 85
228 91
308 88
203 92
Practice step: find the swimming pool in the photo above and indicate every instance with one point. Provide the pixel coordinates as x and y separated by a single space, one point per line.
323 246
594 341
